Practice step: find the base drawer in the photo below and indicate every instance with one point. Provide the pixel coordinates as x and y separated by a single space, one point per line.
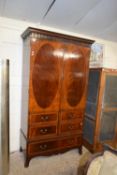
49 146
35 148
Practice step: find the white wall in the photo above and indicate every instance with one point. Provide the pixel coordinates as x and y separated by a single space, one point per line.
11 48
110 48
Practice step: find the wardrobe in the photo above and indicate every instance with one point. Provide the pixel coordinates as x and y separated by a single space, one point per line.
100 122
54 86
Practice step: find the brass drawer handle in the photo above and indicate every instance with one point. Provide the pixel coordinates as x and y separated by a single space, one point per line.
43 147
70 116
71 141
43 131
44 118
70 127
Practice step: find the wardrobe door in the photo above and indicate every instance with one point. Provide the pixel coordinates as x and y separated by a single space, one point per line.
44 76
75 70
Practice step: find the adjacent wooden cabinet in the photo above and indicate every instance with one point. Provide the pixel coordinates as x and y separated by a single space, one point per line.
55 73
100 123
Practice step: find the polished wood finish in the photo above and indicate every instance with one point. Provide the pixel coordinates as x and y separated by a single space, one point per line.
102 108
31 30
37 148
43 118
58 75
72 127
44 76
74 78
45 131
72 115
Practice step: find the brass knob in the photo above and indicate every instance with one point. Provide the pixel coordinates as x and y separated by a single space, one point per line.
70 116
70 127
72 141
44 118
81 124
43 147
43 131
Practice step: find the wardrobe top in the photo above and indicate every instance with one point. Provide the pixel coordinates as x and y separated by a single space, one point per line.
30 30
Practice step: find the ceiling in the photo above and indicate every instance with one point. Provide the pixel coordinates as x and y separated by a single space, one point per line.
90 17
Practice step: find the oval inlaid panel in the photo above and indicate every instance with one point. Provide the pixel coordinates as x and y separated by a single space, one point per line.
45 77
76 77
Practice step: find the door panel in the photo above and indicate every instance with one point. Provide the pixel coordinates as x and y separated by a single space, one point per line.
75 67
45 76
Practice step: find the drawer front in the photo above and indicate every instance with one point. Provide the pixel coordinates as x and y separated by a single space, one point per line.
35 148
42 118
71 115
72 127
38 132
75 141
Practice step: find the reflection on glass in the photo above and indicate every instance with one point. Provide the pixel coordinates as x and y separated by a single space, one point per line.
108 124
88 130
110 95
93 86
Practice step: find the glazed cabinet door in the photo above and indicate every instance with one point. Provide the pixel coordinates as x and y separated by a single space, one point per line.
44 76
75 74
108 124
91 105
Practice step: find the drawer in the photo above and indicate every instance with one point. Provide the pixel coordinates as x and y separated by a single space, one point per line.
75 141
71 115
42 118
35 148
38 132
71 127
